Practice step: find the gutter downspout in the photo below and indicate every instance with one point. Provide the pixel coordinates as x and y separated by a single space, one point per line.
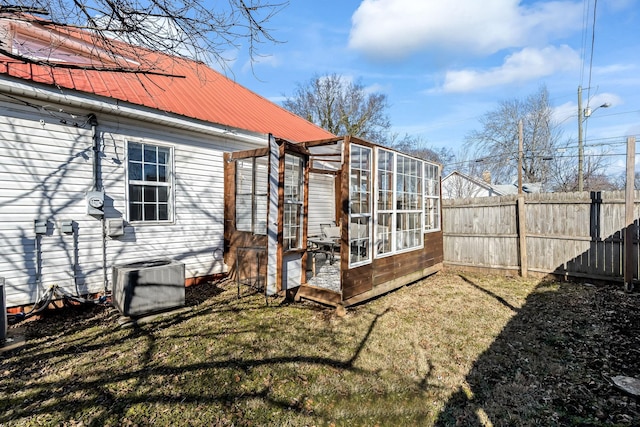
93 121
96 186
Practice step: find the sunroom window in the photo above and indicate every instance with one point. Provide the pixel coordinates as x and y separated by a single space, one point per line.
432 197
360 205
149 182
293 201
408 203
385 203
399 204
251 195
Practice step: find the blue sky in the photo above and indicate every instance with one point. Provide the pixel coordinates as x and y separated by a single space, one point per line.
442 65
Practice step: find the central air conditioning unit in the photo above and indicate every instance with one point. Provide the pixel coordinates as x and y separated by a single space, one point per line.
147 287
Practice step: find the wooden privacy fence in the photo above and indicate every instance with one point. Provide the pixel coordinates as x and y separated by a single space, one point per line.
573 234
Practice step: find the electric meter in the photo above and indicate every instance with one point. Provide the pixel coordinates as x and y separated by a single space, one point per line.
95 202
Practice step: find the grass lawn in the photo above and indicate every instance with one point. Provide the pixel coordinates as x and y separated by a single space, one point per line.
454 349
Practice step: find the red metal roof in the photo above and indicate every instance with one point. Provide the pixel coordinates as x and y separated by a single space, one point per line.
188 88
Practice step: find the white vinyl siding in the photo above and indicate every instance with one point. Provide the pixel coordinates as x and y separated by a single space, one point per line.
45 172
46 168
322 207
196 234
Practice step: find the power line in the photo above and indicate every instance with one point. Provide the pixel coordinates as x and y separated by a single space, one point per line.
544 153
583 42
593 42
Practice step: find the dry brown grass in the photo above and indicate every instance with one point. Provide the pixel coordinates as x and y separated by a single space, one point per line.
454 349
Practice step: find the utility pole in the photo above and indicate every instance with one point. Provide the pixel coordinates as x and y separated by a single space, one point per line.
580 142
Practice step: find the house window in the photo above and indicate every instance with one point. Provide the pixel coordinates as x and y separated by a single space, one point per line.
408 203
251 195
432 197
149 182
293 201
360 205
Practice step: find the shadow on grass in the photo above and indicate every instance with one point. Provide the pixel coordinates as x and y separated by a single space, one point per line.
551 363
491 294
205 371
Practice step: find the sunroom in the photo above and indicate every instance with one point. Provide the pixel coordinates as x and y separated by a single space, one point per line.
336 221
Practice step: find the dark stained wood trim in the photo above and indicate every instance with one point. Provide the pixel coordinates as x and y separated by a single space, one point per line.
229 204
323 171
280 249
337 190
199 280
357 280
355 140
320 295
296 148
305 218
326 155
325 160
234 239
393 284
342 197
320 142
258 152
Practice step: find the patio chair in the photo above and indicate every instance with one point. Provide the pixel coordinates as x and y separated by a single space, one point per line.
330 231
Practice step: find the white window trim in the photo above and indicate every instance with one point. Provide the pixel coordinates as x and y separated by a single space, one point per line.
370 216
438 197
399 211
255 195
394 211
171 182
300 202
386 211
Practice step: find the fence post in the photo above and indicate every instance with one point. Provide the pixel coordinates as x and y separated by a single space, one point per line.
522 237
629 231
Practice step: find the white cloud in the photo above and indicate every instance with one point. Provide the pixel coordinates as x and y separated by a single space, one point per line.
527 64
599 99
374 88
565 113
397 28
260 60
568 111
614 68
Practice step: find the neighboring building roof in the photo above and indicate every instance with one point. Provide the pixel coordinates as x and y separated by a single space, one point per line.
476 181
492 189
175 85
457 184
506 189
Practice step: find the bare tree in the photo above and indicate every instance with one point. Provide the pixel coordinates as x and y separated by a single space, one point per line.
192 29
497 141
342 107
563 172
418 147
